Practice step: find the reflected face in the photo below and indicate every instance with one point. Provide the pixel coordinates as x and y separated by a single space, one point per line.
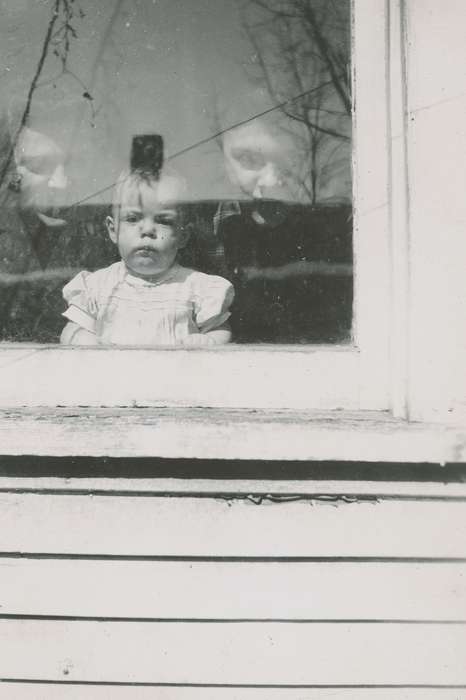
40 163
146 227
254 160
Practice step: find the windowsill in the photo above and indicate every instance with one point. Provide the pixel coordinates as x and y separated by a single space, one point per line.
18 349
218 434
310 377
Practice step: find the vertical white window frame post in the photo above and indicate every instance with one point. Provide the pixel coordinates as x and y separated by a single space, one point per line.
372 251
436 146
399 210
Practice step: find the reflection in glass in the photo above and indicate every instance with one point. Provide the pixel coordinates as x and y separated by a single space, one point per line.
253 101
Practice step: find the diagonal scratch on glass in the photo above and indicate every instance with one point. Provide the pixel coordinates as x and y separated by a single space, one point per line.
214 136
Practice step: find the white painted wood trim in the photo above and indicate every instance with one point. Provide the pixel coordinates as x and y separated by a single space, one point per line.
436 136
255 489
38 691
371 244
216 434
399 214
228 376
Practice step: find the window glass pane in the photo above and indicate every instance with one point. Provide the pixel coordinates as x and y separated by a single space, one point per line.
141 140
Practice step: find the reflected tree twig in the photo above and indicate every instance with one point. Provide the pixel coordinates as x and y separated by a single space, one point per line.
303 48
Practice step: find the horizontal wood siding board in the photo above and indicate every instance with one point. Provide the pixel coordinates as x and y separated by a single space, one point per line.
314 488
271 654
207 590
191 433
192 527
69 691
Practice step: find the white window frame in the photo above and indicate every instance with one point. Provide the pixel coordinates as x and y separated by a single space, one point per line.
366 375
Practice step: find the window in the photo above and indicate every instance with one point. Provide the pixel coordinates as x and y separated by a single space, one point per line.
341 363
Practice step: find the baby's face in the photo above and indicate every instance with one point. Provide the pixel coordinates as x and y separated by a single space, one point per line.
147 228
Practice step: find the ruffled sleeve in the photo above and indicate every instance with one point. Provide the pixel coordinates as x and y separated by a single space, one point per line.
80 294
213 300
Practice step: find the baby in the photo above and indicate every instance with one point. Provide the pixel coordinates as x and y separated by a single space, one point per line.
147 298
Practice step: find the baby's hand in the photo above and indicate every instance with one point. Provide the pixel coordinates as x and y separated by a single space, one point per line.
198 340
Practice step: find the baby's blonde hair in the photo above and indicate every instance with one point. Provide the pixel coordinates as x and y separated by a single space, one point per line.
173 188
132 180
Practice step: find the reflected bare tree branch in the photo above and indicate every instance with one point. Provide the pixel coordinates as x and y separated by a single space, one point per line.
32 88
58 40
302 47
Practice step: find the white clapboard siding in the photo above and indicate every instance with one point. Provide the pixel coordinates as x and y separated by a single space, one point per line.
160 526
233 590
125 486
95 692
229 653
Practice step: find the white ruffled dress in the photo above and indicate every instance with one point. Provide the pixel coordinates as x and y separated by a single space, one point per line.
125 310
